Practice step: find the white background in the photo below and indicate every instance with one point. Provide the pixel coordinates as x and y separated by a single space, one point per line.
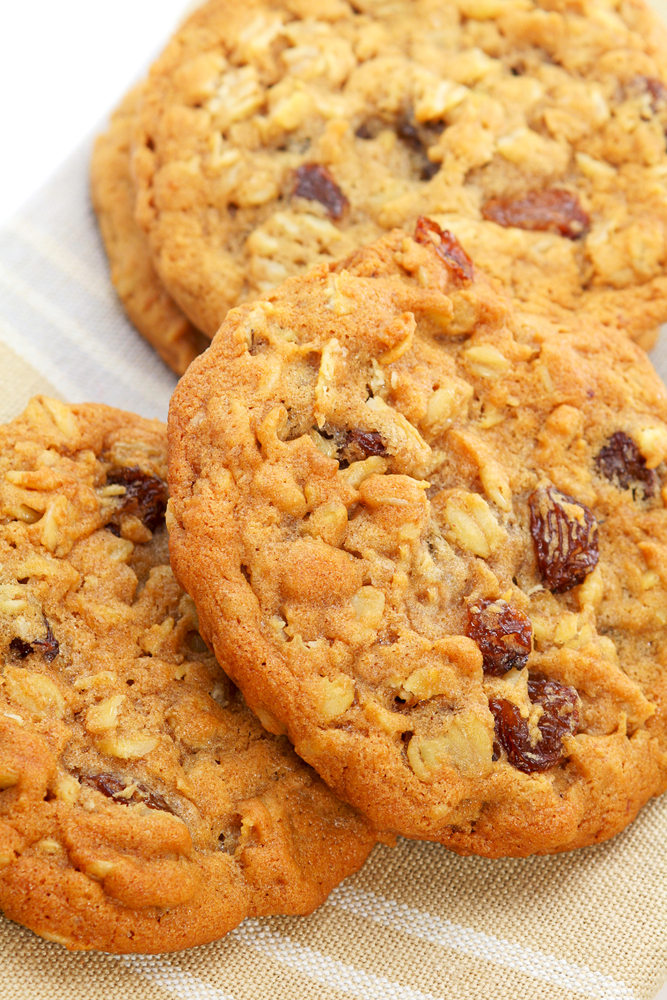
64 65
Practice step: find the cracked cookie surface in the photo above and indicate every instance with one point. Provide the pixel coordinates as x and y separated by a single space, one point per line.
147 304
142 806
428 537
278 134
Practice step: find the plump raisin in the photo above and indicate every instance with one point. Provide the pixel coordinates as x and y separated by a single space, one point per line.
565 534
314 182
622 463
448 248
503 633
554 211
560 716
49 647
20 648
361 444
145 496
112 787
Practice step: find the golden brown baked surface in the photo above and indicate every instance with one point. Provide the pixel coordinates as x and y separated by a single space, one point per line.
142 806
428 537
153 312
279 134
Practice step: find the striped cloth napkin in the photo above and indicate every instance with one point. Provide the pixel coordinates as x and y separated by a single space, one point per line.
418 923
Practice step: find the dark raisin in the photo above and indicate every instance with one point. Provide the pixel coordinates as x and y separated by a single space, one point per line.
622 463
112 787
364 132
49 647
560 716
429 170
503 634
314 182
417 140
20 648
651 85
448 248
554 211
145 496
565 534
658 92
409 133
360 444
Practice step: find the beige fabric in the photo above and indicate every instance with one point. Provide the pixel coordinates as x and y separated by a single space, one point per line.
418 923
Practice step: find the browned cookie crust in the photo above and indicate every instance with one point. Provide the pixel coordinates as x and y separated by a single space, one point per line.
430 537
143 808
153 312
280 134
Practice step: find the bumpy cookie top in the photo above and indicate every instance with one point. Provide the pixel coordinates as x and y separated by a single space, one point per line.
278 134
431 538
143 807
153 312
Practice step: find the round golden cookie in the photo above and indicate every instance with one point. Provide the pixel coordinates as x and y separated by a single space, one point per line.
428 539
142 806
149 307
280 134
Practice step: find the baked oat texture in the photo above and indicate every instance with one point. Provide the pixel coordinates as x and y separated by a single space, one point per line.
428 537
280 134
143 807
153 312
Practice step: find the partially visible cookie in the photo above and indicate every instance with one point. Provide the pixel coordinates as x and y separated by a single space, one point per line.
428 537
153 312
278 134
142 806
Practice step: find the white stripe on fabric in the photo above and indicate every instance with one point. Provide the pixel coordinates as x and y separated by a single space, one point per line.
171 978
420 924
322 968
96 283
35 358
76 334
